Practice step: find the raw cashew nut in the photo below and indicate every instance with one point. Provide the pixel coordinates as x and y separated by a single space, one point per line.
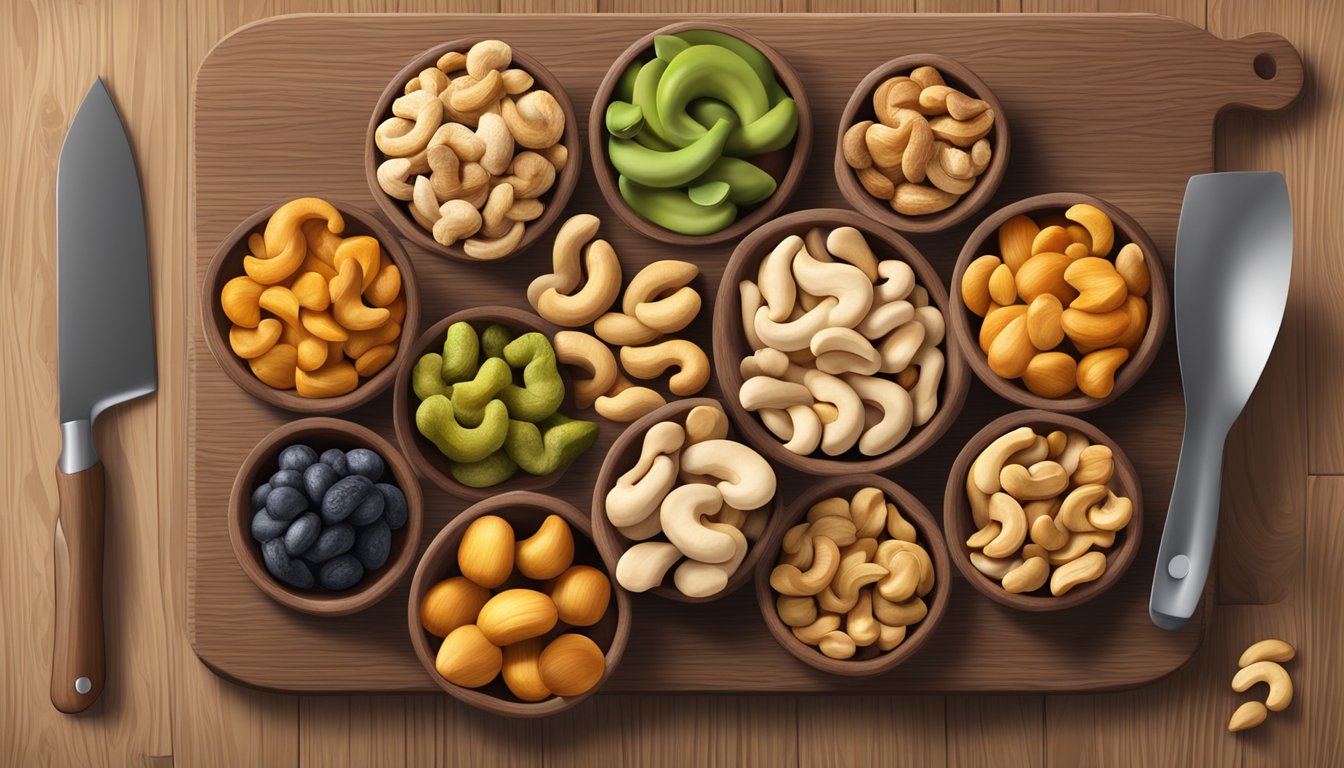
638 492
681 514
535 119
696 579
847 345
706 422
566 269
398 137
902 578
848 284
789 580
763 392
643 566
586 353
924 395
775 278
745 479
897 409
489 249
650 362
1074 445
848 244
1095 466
795 334
987 468
840 435
1004 510
994 568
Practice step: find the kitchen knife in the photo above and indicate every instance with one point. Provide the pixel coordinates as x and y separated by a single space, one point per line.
1234 258
106 345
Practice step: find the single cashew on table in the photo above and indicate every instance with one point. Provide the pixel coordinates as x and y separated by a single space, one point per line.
1262 663
853 576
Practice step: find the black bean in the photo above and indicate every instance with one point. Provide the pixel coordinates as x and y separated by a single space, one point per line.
298 457
259 496
335 458
394 507
335 540
289 571
341 572
286 503
369 510
365 462
317 478
288 478
344 496
372 545
265 527
302 533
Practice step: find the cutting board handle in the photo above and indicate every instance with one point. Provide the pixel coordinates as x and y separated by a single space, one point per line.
77 665
1269 72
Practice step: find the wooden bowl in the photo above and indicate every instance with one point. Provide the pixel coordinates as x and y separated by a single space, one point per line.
867 661
622 456
965 326
321 434
423 454
860 108
556 198
524 511
786 165
730 344
227 263
959 526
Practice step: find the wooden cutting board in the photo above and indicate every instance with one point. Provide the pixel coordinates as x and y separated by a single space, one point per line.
1121 106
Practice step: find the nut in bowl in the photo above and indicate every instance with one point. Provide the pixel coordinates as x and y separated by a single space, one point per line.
829 333
1042 511
304 305
1060 302
923 144
472 151
680 506
856 578
512 611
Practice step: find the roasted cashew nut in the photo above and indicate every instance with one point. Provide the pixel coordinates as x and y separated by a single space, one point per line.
706 422
566 268
988 466
887 551
789 580
627 402
535 119
582 351
596 295
639 491
1004 510
1043 480
1073 513
650 362
1112 514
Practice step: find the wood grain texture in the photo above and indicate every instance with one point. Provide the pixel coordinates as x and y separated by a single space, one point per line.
835 731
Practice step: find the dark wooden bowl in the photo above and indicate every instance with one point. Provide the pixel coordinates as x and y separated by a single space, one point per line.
866 661
965 326
622 456
321 434
524 511
860 108
423 454
730 344
788 173
556 198
959 526
227 263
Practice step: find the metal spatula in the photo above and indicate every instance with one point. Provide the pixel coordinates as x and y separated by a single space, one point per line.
1234 256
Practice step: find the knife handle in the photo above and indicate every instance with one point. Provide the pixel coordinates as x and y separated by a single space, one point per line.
77 666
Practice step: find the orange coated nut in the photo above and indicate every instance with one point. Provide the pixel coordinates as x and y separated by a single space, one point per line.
571 665
450 604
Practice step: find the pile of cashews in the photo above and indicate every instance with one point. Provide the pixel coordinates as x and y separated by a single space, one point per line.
855 563
1044 510
845 346
314 311
694 497
1262 663
471 146
583 285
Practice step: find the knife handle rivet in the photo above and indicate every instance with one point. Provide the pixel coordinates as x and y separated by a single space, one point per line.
1178 567
83 685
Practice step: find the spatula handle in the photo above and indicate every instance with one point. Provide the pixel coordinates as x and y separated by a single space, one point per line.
1192 522
77 666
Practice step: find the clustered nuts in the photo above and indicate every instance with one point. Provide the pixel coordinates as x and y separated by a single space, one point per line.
927 147
1262 663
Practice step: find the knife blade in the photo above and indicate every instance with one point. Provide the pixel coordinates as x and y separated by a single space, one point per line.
106 351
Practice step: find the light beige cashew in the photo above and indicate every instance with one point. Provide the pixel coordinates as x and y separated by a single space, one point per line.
778 422
525 210
535 119
465 143
494 215
452 63
597 294
586 353
888 549
424 201
796 548
902 614
924 395
1248 715
900 346
841 434
696 579
788 579
902 578
898 527
531 175
1074 445
897 281
706 422
993 567
1048 534
638 492
408 106
1267 650
1004 510
935 325
643 566
392 175
1073 512
796 611
860 626
775 278
1042 508
489 249
516 81
623 330
814 632
868 510
487 55
765 362
432 80
815 242
494 134
650 362
888 638
625 402
729 516
1027 577
478 93
643 530
765 392
681 514
795 334
670 313
885 318
1112 514
399 137
849 245
984 536
457 219
750 298
1042 480
985 471
897 409
844 282
978 499
850 343
445 176
805 429
1088 567
1037 451
657 279
745 479
1095 465
557 155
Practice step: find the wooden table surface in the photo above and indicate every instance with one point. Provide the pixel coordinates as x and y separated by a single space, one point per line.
1280 554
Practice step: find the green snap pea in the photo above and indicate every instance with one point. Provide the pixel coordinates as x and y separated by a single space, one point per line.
492 470
673 209
773 130
494 339
545 448
427 377
471 396
623 119
542 389
668 169
706 71
625 84
747 183
436 420
645 97
666 47
707 193
461 352
754 58
707 112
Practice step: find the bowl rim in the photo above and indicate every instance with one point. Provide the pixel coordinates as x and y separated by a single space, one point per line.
420 582
957 524
729 342
214 325
557 198
403 422
248 553
1158 298
612 544
957 74
605 175
914 511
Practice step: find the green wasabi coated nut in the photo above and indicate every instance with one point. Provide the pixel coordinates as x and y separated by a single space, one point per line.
773 130
461 353
674 210
427 377
542 449
707 193
492 470
666 47
668 169
754 58
706 72
542 389
471 396
436 421
494 339
747 183
625 85
623 119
